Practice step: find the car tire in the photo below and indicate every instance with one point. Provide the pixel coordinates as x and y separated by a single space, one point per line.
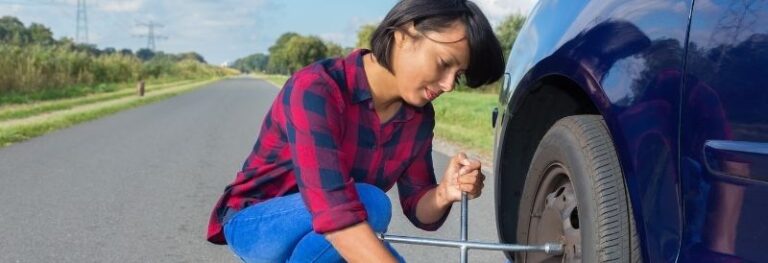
575 193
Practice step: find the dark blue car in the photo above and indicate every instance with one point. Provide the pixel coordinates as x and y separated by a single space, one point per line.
636 131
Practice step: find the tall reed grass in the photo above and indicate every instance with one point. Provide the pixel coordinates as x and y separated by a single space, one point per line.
34 68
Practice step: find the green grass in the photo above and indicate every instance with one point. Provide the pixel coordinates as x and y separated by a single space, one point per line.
16 97
464 118
61 93
277 80
30 109
10 135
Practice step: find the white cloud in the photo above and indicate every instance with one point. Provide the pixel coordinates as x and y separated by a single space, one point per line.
356 22
120 5
335 37
497 10
10 9
210 28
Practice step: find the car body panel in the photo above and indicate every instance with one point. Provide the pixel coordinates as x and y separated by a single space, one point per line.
627 57
724 136
696 165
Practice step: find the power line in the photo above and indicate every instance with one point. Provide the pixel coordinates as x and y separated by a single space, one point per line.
63 9
151 36
82 22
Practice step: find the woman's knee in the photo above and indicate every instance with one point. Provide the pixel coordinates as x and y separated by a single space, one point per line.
377 205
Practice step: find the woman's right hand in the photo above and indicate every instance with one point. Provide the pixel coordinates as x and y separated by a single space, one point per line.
462 175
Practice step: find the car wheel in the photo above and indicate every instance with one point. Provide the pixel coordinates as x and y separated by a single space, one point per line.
575 194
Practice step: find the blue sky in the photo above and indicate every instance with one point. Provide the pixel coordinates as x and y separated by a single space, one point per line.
220 30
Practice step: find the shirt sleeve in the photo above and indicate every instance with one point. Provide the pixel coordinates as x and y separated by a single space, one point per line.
417 180
313 128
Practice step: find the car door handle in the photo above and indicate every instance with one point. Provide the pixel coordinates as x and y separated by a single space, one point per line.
737 161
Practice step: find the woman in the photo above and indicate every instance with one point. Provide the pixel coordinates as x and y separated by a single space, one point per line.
343 131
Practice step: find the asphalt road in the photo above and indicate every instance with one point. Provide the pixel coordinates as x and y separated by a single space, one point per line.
138 186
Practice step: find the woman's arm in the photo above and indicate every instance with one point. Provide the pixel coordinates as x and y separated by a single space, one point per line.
432 206
358 243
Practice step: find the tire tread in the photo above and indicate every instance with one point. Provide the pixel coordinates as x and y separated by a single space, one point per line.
617 238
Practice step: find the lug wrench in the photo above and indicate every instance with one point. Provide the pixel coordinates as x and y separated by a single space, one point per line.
551 248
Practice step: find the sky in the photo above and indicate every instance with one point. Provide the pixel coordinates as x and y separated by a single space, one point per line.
220 30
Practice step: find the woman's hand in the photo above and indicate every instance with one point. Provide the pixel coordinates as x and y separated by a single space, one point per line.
462 175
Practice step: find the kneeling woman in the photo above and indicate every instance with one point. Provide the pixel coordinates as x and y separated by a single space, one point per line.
344 131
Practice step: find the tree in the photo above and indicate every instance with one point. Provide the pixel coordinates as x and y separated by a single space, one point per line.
255 62
259 62
109 51
301 51
126 52
364 35
39 34
12 31
145 54
507 31
281 41
333 50
66 43
91 49
192 56
278 58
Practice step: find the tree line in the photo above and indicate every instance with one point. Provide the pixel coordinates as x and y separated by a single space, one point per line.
292 51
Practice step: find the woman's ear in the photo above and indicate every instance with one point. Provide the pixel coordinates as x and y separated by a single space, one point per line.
405 33
399 38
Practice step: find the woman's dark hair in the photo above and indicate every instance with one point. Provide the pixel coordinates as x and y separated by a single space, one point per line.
486 60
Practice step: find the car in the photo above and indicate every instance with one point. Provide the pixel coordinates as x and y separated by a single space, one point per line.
636 130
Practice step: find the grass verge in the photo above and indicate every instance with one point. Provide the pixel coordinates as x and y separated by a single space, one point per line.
24 130
464 118
26 110
277 80
74 91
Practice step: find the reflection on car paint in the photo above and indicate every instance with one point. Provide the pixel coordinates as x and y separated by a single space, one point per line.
665 93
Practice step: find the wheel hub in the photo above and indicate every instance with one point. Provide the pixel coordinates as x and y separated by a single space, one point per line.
562 204
556 218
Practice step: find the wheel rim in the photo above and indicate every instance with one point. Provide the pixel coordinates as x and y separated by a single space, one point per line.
555 217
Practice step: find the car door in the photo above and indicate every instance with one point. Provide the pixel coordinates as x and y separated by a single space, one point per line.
724 132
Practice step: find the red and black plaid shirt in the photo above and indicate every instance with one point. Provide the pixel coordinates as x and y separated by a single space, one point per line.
320 137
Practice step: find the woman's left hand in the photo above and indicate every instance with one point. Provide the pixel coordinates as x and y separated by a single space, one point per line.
462 175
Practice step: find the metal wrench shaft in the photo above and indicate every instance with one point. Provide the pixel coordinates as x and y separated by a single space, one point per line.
464 244
549 248
464 225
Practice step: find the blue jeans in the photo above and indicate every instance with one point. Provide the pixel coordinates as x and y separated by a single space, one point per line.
280 229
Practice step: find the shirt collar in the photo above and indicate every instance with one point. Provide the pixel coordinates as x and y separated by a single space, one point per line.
358 82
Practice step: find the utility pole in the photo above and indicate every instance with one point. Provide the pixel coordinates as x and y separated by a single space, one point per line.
151 36
81 35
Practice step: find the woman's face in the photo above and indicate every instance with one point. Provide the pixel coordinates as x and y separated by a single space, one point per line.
428 64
